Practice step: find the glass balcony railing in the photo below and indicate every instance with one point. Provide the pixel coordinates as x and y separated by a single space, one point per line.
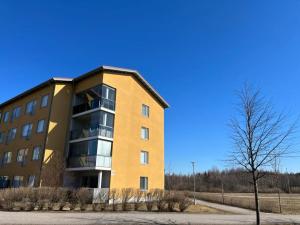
89 161
94 104
103 131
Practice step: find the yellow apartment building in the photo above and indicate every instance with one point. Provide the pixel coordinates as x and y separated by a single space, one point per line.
103 129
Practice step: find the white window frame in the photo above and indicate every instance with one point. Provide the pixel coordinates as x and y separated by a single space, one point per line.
36 153
40 129
44 103
145 184
30 107
145 133
145 110
6 117
10 132
144 157
29 130
21 155
19 180
31 181
16 113
7 157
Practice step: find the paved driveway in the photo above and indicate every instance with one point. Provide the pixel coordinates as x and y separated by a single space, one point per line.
139 218
231 209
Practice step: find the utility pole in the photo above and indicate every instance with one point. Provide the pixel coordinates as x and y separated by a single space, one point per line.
288 181
193 164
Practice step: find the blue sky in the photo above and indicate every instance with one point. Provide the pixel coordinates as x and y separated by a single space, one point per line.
195 53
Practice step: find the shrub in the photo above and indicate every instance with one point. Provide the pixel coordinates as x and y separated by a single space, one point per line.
7 199
113 197
126 195
103 196
183 201
60 195
83 196
159 197
138 198
45 194
171 201
149 200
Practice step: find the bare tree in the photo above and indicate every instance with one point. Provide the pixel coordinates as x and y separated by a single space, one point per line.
259 135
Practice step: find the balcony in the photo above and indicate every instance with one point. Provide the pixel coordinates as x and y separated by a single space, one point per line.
90 162
94 104
102 131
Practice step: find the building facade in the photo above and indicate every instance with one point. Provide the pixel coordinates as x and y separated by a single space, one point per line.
103 129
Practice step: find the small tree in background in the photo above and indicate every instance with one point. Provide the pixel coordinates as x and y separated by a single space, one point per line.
260 135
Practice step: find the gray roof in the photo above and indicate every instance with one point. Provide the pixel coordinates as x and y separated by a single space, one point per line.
135 73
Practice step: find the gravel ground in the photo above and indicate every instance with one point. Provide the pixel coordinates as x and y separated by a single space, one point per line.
74 218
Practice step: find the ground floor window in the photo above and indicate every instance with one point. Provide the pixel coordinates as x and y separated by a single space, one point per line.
17 181
31 180
4 181
144 183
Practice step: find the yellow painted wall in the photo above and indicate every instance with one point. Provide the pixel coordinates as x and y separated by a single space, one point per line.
53 161
127 144
126 166
31 167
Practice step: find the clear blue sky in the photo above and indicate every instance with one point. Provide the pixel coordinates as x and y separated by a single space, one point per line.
195 53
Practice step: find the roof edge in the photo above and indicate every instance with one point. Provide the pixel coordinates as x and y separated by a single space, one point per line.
137 75
35 88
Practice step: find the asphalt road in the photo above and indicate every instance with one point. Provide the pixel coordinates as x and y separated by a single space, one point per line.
139 218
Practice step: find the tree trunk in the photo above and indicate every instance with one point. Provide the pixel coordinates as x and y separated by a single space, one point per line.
257 208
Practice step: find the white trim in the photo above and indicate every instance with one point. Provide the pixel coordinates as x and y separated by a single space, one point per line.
91 138
93 110
88 168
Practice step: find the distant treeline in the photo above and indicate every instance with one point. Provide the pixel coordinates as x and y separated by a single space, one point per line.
234 180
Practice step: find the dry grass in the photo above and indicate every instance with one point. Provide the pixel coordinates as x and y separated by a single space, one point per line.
204 210
201 209
290 203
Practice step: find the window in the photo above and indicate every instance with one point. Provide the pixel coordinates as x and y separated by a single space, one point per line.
21 155
44 101
12 134
5 117
106 119
145 110
90 148
144 157
4 181
40 126
26 131
36 153
7 157
30 107
104 148
15 113
108 93
17 181
144 183
108 97
31 180
106 124
2 137
145 133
